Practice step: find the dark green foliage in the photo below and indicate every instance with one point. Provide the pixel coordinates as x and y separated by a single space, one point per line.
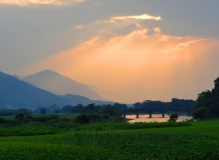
44 119
207 105
57 111
83 119
43 110
25 111
66 109
78 108
120 106
112 110
28 130
173 118
176 105
105 116
92 108
115 146
8 112
2 120
200 113
20 116
127 126
95 117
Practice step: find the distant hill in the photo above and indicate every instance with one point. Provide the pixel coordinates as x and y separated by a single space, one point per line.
15 93
60 85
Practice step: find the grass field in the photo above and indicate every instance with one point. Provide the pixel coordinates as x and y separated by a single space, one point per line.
197 141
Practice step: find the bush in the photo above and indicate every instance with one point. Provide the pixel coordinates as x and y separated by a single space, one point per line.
173 117
83 119
20 116
105 116
95 117
2 120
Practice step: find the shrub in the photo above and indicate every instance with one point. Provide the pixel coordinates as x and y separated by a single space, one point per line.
173 117
83 119
20 116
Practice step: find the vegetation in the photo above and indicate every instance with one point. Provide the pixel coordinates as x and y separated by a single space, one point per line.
181 104
173 117
125 143
207 104
96 131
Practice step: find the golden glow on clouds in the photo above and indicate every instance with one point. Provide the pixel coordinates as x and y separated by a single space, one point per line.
28 2
142 17
134 17
79 26
137 65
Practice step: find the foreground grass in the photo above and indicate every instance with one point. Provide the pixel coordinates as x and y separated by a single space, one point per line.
197 141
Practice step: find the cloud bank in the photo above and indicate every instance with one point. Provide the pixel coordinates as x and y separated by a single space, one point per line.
138 66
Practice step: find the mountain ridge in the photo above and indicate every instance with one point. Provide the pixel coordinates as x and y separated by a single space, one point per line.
60 85
15 93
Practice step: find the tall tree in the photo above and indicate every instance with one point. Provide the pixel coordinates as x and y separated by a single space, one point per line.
207 104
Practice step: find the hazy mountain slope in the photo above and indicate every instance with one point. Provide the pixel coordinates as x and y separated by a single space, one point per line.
16 94
60 85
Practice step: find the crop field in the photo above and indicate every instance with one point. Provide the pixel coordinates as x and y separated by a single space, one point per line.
197 141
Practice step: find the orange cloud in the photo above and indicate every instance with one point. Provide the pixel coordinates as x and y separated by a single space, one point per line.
137 65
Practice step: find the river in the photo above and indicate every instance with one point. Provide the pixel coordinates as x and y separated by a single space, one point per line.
155 118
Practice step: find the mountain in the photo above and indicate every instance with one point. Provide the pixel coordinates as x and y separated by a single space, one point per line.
60 85
15 93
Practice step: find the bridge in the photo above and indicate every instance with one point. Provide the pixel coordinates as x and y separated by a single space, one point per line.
151 111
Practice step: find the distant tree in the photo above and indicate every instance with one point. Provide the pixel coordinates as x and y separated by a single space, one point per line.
20 116
112 110
78 108
57 111
92 108
173 117
137 105
24 111
51 109
43 110
66 109
207 104
120 106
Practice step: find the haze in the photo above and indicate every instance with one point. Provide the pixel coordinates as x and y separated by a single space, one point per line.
126 50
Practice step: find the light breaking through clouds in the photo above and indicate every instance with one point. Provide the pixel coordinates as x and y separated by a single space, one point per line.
143 17
134 64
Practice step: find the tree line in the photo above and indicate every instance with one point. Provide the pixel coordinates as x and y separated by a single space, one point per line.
175 103
207 103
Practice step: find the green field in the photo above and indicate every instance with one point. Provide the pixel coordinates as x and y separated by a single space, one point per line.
198 140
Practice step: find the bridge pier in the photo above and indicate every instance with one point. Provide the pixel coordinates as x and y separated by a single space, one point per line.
137 115
163 115
150 115
124 115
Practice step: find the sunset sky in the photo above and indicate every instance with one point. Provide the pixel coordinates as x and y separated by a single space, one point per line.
126 50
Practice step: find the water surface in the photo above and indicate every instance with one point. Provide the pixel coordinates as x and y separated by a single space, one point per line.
155 118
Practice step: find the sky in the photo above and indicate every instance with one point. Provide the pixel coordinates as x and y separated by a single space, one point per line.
126 50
